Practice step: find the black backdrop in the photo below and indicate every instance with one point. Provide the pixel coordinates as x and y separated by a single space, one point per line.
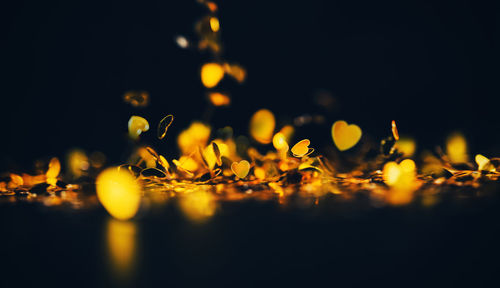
431 65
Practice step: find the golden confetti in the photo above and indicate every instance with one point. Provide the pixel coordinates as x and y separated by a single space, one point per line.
484 164
456 148
262 126
137 98
219 99
198 206
394 130
119 193
302 149
137 125
241 169
214 24
182 42
407 146
163 126
53 171
345 136
211 74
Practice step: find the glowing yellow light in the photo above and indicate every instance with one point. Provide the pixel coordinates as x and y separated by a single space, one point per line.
219 99
53 171
16 180
402 180
394 130
279 141
137 125
345 136
182 42
211 74
287 131
119 193
77 162
121 240
198 206
484 164
163 126
302 149
240 169
137 98
456 148
260 173
262 126
214 24
186 163
407 146
236 71
196 135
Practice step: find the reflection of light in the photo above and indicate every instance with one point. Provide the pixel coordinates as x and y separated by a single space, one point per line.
121 240
198 205
214 24
211 74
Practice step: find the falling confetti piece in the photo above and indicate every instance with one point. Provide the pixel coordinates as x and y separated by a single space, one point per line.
217 153
137 125
53 171
279 142
235 71
163 126
214 24
302 149
137 98
119 193
394 130
345 136
219 99
211 74
262 126
196 135
240 169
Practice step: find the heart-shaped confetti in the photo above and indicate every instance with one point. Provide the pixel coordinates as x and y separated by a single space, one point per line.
241 168
302 149
345 136
137 125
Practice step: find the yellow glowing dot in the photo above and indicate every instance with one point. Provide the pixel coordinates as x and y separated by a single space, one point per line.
484 164
196 135
402 180
407 146
394 130
456 148
211 74
236 71
198 206
16 180
260 173
163 126
211 6
241 168
287 131
182 42
279 142
53 171
302 149
262 126
214 24
119 193
137 125
77 162
137 98
345 136
186 163
219 99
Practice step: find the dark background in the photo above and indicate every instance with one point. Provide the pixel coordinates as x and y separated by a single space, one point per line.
431 65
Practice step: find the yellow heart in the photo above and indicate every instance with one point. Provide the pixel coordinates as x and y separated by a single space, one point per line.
345 136
241 168
301 148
